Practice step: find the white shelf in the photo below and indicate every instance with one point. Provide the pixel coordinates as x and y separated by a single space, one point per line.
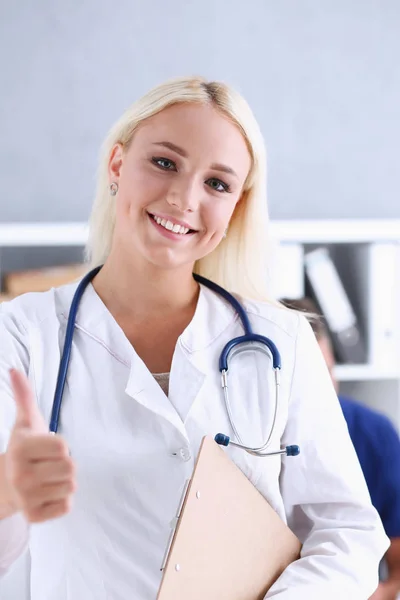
43 234
337 231
363 373
306 232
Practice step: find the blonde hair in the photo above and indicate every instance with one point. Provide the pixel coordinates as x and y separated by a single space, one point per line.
239 262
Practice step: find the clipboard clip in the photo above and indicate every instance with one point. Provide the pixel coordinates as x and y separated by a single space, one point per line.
174 524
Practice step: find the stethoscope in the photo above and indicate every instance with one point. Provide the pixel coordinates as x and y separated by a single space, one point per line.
233 346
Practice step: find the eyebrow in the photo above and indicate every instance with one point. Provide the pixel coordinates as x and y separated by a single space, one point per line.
182 152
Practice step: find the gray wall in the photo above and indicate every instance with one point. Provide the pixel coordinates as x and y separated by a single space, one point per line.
321 75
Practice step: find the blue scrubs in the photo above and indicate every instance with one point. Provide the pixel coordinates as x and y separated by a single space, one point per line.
377 445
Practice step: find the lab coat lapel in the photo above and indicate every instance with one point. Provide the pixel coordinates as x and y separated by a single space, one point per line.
143 388
186 381
193 358
194 354
96 320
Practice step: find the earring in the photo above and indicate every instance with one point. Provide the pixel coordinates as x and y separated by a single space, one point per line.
225 233
113 188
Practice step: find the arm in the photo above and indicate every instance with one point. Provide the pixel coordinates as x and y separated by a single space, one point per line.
385 449
13 527
389 589
393 562
7 508
14 536
326 500
14 530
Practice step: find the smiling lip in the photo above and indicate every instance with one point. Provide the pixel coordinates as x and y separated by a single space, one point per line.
167 233
173 220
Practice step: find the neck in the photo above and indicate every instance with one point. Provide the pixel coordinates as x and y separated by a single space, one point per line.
140 292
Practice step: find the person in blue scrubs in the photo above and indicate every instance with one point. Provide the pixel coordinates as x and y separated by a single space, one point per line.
377 445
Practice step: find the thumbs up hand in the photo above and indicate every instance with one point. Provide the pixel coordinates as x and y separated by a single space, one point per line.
39 472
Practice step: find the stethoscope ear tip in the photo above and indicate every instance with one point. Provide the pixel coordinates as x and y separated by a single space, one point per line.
222 439
293 450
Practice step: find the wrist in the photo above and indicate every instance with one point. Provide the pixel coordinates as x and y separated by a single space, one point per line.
7 503
393 584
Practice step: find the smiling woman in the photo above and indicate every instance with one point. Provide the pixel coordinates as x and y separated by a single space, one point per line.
181 190
197 142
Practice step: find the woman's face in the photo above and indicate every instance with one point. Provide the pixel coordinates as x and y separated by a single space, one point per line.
178 184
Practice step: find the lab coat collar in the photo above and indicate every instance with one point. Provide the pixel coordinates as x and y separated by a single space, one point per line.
94 319
212 316
189 364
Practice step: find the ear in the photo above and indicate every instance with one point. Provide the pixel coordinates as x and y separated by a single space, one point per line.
115 162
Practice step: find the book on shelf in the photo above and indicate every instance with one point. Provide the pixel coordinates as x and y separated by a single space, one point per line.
326 287
40 280
373 270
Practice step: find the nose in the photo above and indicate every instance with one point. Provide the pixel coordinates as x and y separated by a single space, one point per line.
184 195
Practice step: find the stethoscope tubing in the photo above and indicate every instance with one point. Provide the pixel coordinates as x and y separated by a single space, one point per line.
233 345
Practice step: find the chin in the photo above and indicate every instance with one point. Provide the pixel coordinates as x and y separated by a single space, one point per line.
168 260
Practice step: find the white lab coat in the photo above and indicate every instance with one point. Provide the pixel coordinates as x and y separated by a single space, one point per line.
134 449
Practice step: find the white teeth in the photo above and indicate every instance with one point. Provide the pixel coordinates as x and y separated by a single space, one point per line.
175 228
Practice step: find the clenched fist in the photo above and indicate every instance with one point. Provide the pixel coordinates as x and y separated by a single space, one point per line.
39 472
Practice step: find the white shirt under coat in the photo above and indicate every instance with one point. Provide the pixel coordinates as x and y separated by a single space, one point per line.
134 448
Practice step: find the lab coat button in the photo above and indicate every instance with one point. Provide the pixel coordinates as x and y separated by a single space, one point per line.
184 453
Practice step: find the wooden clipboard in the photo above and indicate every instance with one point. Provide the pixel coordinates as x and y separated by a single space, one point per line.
228 543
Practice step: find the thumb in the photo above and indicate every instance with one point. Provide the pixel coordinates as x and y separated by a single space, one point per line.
28 415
